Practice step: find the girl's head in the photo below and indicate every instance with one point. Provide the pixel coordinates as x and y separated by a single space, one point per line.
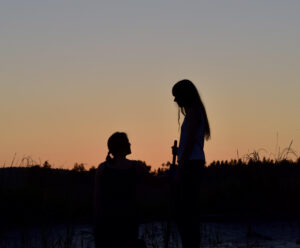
118 145
185 93
186 96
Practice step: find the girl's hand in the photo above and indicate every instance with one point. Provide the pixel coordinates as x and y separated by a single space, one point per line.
180 164
177 177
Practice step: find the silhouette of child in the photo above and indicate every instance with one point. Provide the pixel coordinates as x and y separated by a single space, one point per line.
191 159
115 203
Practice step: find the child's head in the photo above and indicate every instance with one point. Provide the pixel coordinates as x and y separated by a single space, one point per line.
118 144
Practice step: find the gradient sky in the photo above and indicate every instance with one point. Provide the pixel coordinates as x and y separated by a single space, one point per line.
74 72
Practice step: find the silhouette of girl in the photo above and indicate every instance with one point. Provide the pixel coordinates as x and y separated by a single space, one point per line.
115 209
191 159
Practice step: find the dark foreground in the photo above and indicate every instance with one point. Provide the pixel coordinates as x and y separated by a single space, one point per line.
37 195
34 200
250 234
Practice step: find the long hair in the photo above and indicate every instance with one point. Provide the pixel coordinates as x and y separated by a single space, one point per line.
116 144
190 97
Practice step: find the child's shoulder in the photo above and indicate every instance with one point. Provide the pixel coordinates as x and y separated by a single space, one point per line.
136 162
101 168
140 166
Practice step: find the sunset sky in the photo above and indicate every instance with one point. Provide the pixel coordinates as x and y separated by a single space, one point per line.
74 72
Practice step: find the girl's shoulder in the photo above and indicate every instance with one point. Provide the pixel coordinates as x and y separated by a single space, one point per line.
140 167
136 165
101 168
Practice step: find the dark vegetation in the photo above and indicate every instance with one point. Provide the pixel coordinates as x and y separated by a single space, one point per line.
257 187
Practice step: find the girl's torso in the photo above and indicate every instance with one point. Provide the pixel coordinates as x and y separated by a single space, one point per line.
118 187
198 147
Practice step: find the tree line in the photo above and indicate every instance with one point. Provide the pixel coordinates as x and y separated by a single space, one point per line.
42 194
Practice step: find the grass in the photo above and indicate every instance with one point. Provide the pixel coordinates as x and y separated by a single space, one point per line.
279 155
